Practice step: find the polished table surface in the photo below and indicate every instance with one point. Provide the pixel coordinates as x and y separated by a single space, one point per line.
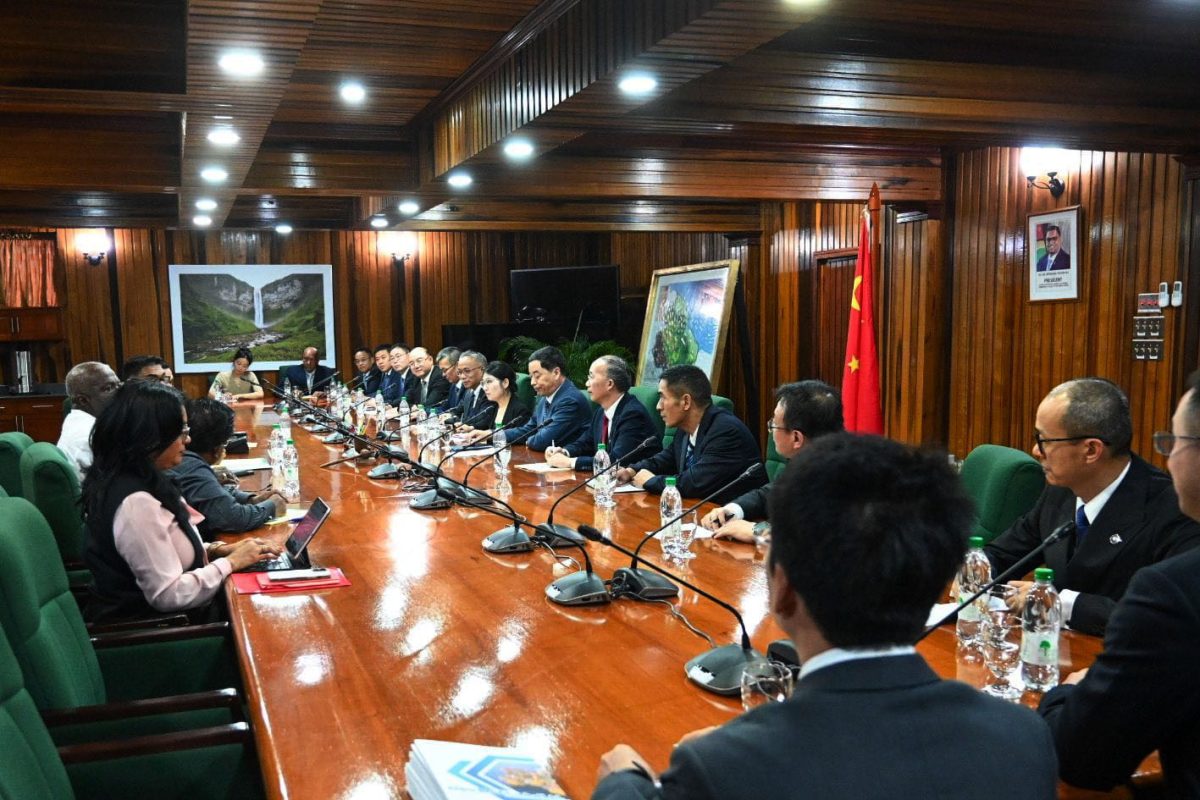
438 639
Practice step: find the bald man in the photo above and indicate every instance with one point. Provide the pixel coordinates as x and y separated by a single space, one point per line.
427 386
90 386
309 375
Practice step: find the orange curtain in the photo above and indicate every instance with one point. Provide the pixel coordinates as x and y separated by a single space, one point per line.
27 273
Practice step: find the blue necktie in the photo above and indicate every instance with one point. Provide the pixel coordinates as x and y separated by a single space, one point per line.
690 457
1081 525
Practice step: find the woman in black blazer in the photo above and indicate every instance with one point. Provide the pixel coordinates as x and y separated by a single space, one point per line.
500 387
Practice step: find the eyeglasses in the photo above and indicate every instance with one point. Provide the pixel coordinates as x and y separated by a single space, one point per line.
469 370
183 434
772 427
1042 442
1164 442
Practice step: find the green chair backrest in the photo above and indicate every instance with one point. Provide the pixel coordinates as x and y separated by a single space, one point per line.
12 445
718 401
1004 483
40 616
29 764
525 391
50 483
648 396
775 462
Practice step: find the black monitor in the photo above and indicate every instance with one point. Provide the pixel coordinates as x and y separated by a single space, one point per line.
563 296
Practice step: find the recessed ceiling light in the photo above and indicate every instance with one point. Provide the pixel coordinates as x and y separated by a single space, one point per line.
379 222
459 180
637 83
222 116
226 137
202 220
242 63
518 149
213 174
283 227
409 207
353 92
206 204
644 208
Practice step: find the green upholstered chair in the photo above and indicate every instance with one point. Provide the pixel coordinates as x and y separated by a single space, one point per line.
718 401
216 762
64 667
648 397
525 391
49 482
12 445
1004 483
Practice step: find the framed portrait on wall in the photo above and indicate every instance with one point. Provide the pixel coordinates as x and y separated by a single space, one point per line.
687 319
1052 244
277 310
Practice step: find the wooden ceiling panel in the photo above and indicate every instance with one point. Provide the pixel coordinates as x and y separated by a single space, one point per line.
309 212
122 209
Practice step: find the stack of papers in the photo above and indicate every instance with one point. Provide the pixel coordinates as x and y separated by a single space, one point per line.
454 771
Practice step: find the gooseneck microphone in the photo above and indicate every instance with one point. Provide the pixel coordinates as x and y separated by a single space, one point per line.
1016 569
520 420
326 380
643 585
718 670
432 499
579 588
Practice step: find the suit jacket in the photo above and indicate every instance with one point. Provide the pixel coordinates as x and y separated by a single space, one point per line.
631 425
1141 694
516 412
1139 525
569 415
371 380
453 398
392 385
1062 262
754 502
299 377
472 403
867 729
439 389
724 448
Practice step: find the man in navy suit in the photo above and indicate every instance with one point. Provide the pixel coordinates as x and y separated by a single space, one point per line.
472 400
559 402
1141 694
447 365
620 422
868 532
1055 257
396 378
711 446
309 375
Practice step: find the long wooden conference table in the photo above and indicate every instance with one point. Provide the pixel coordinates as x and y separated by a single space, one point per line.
437 639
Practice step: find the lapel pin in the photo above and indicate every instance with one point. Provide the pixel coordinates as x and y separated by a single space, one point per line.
1115 539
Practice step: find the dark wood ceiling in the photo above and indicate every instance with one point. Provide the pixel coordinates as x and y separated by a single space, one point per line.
106 104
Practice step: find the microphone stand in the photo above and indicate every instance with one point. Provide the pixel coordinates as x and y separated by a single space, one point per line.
1016 569
432 499
718 670
643 585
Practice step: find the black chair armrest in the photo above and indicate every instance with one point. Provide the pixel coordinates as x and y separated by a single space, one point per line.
124 638
219 698
233 733
149 623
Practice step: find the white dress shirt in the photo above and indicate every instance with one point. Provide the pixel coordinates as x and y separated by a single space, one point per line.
76 440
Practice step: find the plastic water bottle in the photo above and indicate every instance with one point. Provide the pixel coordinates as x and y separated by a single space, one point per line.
404 413
669 508
285 422
976 572
275 445
1040 623
291 472
503 454
602 486
287 387
380 412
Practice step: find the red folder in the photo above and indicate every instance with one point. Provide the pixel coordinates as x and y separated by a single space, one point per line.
259 583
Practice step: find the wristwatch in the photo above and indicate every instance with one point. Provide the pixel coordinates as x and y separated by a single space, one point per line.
761 533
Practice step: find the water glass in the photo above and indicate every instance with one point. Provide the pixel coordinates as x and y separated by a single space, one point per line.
765 682
683 541
1000 636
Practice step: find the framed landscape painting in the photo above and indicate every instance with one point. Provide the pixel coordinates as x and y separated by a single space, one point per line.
276 310
687 319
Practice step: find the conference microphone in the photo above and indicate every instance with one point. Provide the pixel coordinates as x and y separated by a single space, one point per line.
431 499
718 670
338 436
325 380
643 585
520 420
551 530
1018 568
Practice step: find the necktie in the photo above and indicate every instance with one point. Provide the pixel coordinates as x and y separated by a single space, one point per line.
604 429
1081 525
424 390
690 458
310 380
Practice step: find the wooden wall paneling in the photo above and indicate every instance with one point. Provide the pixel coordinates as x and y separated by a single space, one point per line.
86 302
143 302
1189 334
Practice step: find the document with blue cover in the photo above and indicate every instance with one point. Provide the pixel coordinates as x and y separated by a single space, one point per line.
456 771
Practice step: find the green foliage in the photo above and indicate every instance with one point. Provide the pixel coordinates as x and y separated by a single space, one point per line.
202 320
578 352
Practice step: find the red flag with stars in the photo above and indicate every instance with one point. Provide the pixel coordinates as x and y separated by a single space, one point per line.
860 376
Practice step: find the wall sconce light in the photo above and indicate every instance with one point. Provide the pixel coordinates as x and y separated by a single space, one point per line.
400 244
94 245
1048 161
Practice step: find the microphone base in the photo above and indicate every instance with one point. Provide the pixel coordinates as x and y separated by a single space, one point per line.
720 670
642 584
579 589
385 472
429 501
334 438
508 540
558 535
783 651
391 436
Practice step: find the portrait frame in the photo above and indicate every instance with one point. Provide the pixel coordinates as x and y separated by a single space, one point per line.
687 319
1049 277
217 307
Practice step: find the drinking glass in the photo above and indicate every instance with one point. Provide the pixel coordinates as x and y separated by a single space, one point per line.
1000 636
687 534
996 598
669 539
765 682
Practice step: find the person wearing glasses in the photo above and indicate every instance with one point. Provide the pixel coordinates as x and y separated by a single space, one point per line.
804 411
1141 695
471 397
140 538
1125 512
1055 257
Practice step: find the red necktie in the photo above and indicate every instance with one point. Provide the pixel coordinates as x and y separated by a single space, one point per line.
604 430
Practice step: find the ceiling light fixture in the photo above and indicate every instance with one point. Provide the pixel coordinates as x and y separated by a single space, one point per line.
202 220
241 63
353 92
213 174
225 137
283 228
379 222
206 204
637 83
459 180
409 207
518 149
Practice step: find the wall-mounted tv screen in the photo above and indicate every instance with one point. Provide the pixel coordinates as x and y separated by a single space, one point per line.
565 296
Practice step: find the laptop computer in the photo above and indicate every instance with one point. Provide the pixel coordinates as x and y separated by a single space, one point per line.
295 554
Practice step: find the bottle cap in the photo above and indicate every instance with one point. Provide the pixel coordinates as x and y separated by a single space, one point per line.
499 425
289 441
975 541
600 447
1043 574
276 426
670 481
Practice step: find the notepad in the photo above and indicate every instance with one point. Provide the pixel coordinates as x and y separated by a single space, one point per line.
542 467
241 466
627 488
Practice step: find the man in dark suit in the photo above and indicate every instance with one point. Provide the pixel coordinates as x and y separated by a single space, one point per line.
309 375
1055 258
1142 694
711 446
395 380
368 376
426 385
1125 511
803 411
472 399
559 402
854 566
447 365
620 420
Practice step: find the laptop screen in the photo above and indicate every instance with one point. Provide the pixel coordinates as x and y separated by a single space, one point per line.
307 527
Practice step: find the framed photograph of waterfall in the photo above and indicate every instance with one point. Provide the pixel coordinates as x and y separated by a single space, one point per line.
276 310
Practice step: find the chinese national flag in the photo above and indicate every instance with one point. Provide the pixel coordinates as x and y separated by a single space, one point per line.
860 378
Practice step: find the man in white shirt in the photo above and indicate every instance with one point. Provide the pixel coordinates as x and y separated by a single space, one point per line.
90 386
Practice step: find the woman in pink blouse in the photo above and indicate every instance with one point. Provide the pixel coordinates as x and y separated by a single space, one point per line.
140 541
